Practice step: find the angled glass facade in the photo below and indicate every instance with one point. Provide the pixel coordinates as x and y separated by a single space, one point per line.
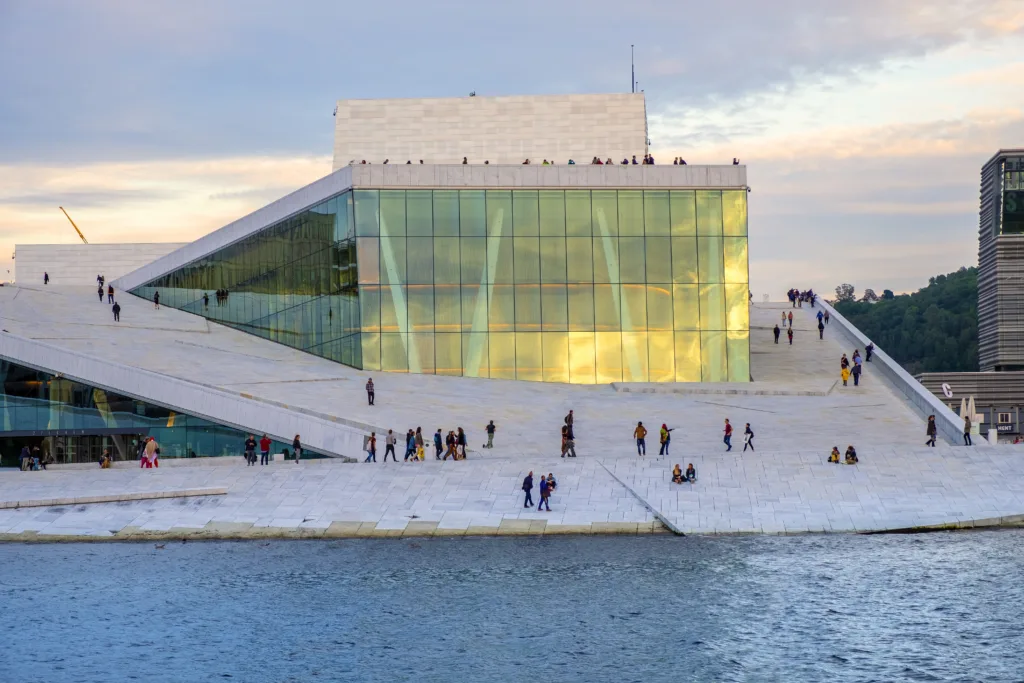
583 286
74 421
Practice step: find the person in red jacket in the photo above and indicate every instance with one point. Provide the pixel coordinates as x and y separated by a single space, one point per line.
264 450
728 436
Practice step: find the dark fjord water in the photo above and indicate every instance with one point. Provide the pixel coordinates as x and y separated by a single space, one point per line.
938 607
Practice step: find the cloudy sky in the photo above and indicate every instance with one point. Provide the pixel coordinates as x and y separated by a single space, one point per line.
864 124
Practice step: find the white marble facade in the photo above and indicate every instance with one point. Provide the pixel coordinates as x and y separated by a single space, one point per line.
501 130
79 264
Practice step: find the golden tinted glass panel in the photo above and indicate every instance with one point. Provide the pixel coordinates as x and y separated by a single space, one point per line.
579 259
528 308
392 213
368 255
713 357
712 307
502 354
634 357
419 217
393 311
659 308
499 213
737 307
526 260
631 213
370 350
447 308
709 259
688 361
738 349
604 213
633 315
501 309
606 307
369 308
734 212
658 259
474 308
475 361
554 308
446 261
606 259
709 212
394 357
683 212
735 257
661 356
631 260
608 351
684 260
581 307
472 213
555 348
685 307
552 260
525 213
577 213
581 358
421 353
446 213
421 308
448 353
529 357
552 213
657 222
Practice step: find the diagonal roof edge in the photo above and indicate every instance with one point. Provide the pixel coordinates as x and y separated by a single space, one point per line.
290 204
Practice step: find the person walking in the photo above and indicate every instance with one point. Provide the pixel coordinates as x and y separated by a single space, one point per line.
820 316
110 294
449 442
151 453
783 318
490 434
967 430
545 493
156 300
665 437
410 446
790 318
568 443
250 451
821 330
856 374
389 445
748 438
206 300
640 434
776 332
527 488
264 450
826 317
117 312
460 442
844 372
728 435
869 349
932 431
438 444
371 449
789 333
297 447
46 278
418 442
99 291
369 391
568 423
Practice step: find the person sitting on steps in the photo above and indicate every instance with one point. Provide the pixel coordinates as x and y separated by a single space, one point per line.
691 474
677 474
851 456
834 455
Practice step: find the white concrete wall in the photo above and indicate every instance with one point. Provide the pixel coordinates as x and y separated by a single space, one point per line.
329 436
503 130
79 264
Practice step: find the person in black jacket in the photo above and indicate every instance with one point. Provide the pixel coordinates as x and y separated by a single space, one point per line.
527 487
297 447
250 451
117 312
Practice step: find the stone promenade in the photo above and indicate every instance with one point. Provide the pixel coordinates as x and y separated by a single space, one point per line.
769 492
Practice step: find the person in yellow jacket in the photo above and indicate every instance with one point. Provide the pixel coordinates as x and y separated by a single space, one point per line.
666 439
845 372
640 434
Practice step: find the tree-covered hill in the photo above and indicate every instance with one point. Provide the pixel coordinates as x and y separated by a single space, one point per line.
935 329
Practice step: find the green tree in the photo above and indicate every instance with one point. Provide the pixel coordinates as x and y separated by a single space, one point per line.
869 296
935 329
845 292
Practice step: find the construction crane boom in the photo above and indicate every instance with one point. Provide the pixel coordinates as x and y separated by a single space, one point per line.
73 225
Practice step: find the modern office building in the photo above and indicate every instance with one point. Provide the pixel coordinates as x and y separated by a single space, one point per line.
583 274
998 389
1001 263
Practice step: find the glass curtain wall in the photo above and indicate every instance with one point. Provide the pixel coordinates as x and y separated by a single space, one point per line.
583 286
293 282
35 403
578 286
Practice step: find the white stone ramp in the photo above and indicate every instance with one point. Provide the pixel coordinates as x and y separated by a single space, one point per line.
798 491
205 355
